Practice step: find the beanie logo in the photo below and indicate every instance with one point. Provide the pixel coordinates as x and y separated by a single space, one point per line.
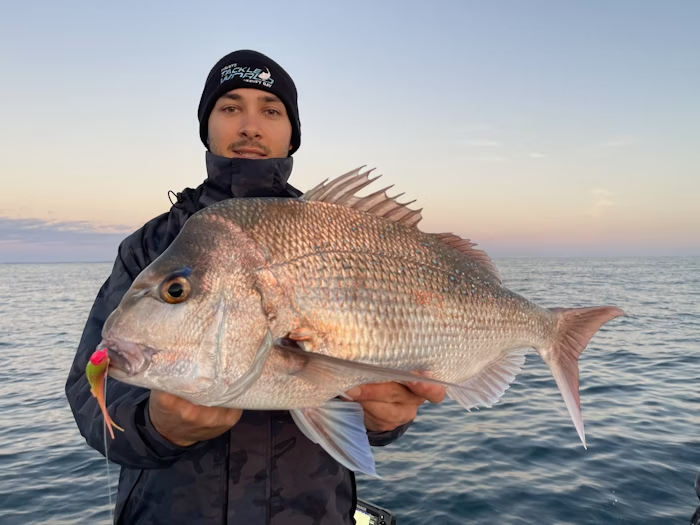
247 74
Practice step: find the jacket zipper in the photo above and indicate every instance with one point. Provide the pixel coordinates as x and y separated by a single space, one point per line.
268 466
227 478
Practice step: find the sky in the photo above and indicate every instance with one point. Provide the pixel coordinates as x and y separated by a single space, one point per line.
539 128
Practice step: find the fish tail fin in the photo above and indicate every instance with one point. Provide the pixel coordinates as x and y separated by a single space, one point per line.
575 328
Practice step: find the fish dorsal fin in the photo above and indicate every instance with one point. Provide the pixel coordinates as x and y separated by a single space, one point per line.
467 247
342 191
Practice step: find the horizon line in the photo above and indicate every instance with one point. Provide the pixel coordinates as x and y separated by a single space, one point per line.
495 257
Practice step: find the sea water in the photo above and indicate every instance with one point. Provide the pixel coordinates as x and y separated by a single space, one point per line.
519 462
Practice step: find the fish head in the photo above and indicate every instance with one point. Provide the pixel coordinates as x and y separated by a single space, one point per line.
192 318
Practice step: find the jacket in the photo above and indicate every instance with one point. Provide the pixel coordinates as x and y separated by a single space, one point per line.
262 471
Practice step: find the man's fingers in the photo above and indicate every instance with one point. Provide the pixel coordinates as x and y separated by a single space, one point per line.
413 393
387 416
389 405
386 393
432 392
164 400
231 416
190 413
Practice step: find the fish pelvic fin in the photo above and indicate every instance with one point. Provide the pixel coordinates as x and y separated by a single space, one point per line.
575 328
339 428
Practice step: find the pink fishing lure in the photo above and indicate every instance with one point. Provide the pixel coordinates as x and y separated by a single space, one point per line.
96 371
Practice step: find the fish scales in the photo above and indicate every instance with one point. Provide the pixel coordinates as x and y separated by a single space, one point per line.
386 292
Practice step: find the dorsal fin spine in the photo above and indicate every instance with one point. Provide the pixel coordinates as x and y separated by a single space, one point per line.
342 191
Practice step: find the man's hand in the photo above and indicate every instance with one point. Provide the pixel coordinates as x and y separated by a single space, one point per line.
184 424
390 405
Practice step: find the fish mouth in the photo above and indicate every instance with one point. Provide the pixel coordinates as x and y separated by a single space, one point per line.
126 357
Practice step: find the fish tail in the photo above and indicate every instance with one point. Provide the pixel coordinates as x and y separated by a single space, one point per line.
575 328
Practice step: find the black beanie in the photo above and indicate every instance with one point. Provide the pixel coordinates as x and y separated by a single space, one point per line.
249 69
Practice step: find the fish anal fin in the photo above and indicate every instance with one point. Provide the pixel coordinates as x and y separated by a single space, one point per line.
467 248
343 189
575 328
488 386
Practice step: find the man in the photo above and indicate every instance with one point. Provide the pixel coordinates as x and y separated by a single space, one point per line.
183 463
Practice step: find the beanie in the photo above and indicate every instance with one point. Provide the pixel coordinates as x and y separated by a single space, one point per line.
249 69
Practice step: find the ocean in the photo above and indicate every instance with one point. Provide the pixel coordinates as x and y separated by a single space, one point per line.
519 462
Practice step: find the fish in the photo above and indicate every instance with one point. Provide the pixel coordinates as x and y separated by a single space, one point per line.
288 303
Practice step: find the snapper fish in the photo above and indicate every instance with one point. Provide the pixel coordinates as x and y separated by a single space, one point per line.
287 303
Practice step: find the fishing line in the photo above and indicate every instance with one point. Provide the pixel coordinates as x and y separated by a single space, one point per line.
104 435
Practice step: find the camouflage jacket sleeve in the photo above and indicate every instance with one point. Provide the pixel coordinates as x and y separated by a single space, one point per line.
381 439
140 446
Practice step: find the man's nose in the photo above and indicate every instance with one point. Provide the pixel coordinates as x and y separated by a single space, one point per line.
250 127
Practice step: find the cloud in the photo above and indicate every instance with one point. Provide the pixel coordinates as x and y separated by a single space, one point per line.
484 159
602 199
535 155
480 143
621 142
37 240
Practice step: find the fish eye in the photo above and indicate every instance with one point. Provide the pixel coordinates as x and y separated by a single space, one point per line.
175 290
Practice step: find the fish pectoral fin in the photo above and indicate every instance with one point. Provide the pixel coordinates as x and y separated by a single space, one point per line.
324 370
339 428
488 386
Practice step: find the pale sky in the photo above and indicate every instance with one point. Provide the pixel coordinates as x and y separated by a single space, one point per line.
534 128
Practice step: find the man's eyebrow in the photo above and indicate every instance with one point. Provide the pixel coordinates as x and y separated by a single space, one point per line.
264 98
232 96
269 98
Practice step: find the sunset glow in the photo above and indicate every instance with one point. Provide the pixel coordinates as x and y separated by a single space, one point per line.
532 128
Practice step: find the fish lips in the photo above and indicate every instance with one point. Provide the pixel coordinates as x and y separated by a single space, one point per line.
129 358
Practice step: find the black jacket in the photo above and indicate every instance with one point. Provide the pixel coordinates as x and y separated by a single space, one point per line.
264 470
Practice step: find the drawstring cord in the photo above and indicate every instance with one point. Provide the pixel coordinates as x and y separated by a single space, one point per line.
178 199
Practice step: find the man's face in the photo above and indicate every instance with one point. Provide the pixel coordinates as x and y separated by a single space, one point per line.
249 123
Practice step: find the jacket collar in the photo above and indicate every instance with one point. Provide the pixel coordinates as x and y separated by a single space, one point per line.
239 178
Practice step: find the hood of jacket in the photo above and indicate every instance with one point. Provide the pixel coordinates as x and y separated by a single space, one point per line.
229 178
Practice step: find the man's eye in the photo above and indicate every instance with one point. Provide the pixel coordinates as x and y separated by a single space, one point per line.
229 109
273 112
